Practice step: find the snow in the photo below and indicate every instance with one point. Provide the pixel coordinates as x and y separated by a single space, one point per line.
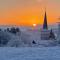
29 53
25 38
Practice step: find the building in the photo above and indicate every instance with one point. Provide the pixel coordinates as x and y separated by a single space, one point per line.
44 31
47 34
58 34
45 25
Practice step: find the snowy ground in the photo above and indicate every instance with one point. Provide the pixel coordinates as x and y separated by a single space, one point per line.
43 53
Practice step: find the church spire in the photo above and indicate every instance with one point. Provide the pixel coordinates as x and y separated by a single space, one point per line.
45 26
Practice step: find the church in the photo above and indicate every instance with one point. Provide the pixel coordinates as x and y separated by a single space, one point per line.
46 34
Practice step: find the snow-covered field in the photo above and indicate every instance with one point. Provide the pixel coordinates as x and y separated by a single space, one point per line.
29 53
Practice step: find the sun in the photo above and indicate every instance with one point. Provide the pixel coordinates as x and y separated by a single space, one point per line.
34 25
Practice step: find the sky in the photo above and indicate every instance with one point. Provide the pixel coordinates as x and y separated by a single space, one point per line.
28 12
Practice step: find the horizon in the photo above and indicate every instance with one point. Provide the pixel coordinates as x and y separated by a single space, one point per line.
29 25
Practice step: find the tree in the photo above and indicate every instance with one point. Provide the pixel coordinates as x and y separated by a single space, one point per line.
0 29
13 30
8 29
17 30
52 35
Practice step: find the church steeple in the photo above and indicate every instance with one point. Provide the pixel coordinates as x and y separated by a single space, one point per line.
45 25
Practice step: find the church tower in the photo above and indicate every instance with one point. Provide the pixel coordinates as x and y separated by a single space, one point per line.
45 25
45 31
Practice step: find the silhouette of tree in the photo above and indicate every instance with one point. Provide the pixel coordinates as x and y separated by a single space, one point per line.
8 29
0 29
17 30
52 36
13 30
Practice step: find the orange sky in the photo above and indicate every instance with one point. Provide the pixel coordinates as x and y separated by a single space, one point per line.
28 12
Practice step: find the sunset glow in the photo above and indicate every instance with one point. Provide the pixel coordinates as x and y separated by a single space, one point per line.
34 25
27 12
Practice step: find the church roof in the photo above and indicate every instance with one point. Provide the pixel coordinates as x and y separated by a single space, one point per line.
45 25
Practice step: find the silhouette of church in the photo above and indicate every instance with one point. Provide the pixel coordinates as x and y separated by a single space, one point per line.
45 25
46 34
